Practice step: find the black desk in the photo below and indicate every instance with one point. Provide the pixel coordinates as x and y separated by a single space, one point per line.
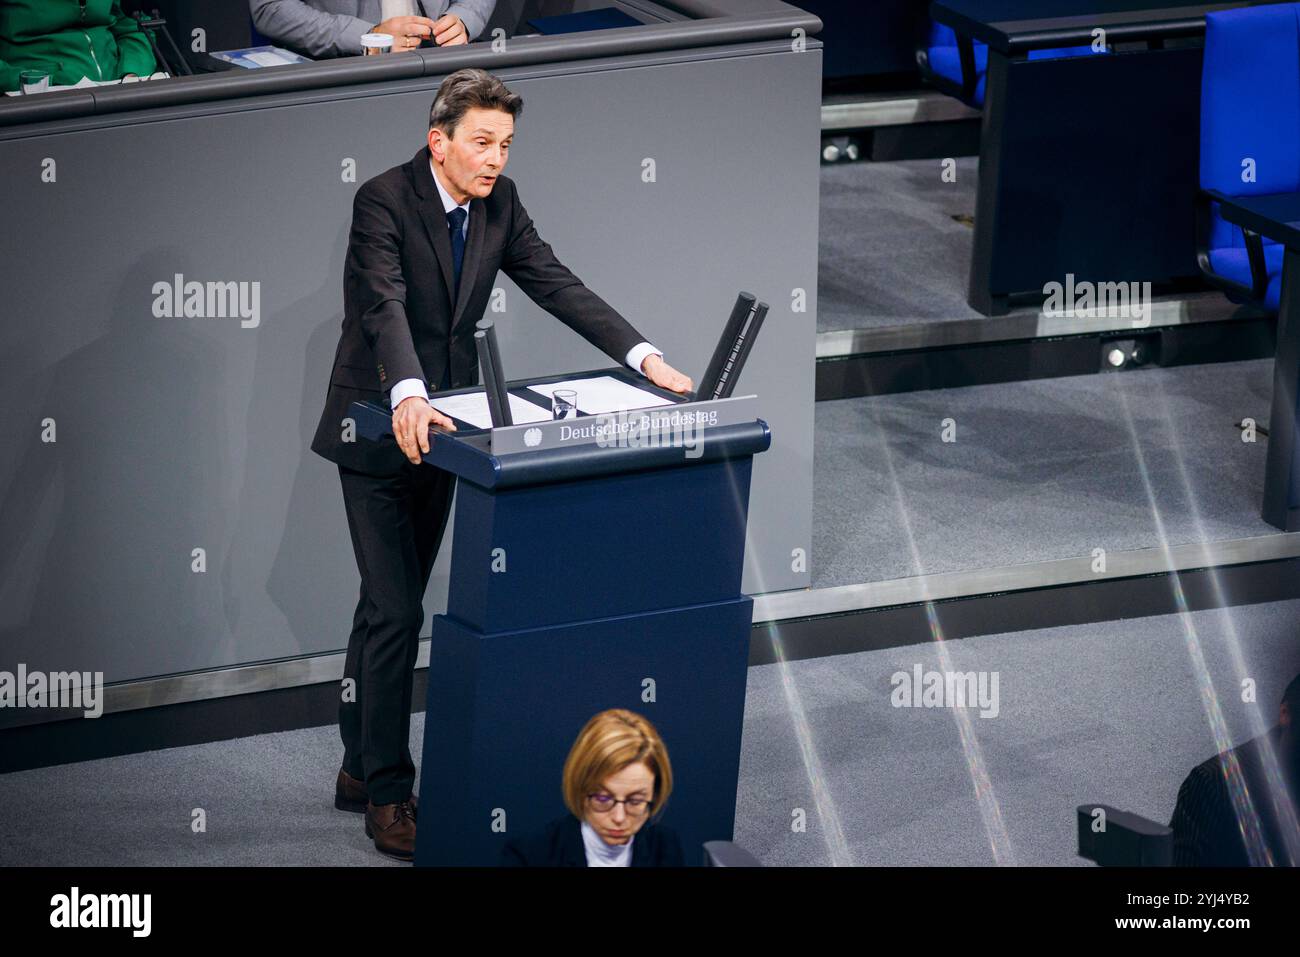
1017 26
1088 165
1277 217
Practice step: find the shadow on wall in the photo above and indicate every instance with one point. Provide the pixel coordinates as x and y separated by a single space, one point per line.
310 585
99 524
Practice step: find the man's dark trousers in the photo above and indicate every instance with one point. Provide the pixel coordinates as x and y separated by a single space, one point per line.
396 523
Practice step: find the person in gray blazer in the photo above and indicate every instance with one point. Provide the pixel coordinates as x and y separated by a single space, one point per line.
330 28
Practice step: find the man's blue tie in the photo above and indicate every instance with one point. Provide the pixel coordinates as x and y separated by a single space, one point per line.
456 220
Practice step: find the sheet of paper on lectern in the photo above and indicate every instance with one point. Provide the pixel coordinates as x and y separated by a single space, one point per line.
472 407
604 393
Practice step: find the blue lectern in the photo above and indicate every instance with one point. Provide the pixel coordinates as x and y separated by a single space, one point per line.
596 563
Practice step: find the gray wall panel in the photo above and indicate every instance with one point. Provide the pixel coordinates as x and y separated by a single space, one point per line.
180 433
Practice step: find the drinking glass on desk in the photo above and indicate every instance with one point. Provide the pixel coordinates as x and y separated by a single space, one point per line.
33 81
373 44
564 404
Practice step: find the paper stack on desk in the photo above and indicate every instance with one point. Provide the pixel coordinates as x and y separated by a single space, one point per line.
86 82
472 407
252 58
604 394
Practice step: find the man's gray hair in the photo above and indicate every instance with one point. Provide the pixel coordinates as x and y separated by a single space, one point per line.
467 89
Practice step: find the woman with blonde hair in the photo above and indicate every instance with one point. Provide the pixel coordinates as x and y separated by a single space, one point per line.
616 782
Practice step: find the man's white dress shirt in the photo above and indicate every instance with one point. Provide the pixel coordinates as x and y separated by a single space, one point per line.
396 8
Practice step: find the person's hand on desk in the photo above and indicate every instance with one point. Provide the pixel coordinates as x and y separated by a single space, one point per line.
411 421
449 30
407 32
664 375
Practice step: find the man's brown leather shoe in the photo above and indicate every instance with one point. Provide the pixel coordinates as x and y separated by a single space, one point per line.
392 828
350 795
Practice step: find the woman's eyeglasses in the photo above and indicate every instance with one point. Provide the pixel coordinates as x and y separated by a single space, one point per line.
604 803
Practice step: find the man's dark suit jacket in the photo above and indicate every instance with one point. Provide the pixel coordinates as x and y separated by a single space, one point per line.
1204 822
560 845
399 321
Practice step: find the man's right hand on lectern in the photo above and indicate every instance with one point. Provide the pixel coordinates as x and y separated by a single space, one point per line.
411 421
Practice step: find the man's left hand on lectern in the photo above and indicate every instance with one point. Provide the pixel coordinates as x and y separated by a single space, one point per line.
411 421
664 375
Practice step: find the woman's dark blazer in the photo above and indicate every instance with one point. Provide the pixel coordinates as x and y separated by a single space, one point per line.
560 845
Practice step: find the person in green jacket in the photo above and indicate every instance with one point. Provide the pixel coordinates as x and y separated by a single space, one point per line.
70 39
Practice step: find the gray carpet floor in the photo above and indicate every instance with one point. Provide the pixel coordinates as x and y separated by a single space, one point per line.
1105 713
894 244
1039 471
889 250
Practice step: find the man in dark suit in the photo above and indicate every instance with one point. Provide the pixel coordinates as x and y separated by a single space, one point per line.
1209 831
427 240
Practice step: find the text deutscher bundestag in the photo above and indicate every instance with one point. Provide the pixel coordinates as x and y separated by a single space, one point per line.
675 429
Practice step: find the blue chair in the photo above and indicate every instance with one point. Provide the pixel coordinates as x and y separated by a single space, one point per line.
958 65
1250 120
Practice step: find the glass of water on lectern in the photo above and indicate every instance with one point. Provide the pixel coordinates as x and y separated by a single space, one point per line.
564 404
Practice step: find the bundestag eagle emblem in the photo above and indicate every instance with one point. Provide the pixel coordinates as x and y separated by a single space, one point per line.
533 437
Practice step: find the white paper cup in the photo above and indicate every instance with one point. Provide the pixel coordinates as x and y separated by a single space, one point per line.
376 43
